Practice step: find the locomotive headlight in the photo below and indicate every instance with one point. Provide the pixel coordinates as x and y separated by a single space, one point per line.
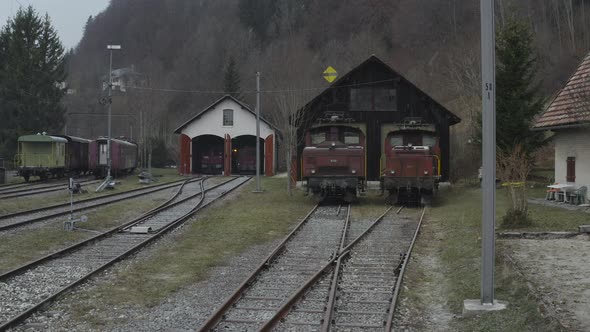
313 171
425 172
392 172
354 171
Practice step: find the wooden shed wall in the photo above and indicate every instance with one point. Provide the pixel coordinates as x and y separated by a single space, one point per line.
410 102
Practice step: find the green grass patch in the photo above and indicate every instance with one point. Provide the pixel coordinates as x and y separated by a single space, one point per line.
127 183
219 233
22 247
453 235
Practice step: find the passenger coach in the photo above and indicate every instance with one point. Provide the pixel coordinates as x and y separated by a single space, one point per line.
123 154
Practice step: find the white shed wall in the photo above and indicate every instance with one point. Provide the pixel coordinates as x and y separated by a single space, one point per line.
573 143
211 123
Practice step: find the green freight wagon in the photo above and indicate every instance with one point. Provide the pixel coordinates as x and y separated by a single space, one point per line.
41 155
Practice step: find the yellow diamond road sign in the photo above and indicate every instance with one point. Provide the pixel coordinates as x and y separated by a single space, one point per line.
330 74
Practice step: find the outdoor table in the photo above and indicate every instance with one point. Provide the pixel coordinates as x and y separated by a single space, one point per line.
563 187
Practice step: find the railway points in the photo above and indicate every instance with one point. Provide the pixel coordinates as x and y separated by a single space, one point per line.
51 276
18 219
327 294
21 192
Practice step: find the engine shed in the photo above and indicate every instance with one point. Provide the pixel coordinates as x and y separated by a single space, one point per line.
221 139
375 97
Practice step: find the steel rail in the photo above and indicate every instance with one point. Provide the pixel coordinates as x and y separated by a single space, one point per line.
214 319
284 309
25 314
400 277
9 186
20 213
42 190
134 193
288 305
4 191
109 232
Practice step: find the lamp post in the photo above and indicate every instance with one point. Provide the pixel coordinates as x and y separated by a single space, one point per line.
110 101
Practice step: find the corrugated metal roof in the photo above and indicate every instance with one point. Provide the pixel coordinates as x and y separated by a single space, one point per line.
41 138
572 104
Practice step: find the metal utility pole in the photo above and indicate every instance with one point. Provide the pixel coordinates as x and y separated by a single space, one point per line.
258 189
488 79
488 65
110 101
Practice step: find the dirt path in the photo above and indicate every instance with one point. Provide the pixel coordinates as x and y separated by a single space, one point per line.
423 304
560 269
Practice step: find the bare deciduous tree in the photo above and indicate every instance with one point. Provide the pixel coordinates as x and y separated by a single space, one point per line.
513 168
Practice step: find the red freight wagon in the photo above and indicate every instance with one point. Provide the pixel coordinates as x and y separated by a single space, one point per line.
123 154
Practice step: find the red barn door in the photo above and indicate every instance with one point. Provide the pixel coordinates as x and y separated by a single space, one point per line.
185 155
227 156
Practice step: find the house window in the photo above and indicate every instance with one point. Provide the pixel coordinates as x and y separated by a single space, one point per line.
385 99
571 169
228 117
361 99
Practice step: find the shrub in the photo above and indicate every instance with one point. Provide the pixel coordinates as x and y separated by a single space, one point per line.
516 219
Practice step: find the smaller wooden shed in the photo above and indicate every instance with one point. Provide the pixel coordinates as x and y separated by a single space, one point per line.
221 139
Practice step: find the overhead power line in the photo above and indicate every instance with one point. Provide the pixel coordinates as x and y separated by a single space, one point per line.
254 91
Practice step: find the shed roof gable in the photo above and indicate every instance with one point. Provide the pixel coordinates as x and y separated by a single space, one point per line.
453 119
214 105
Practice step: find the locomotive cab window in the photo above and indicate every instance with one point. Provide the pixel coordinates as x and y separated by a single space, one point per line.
318 137
228 117
396 140
428 140
351 137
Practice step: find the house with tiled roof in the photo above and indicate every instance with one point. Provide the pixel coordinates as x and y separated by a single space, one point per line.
568 116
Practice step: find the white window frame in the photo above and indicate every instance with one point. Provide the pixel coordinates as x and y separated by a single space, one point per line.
230 111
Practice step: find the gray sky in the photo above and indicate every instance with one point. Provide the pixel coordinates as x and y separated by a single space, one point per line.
67 16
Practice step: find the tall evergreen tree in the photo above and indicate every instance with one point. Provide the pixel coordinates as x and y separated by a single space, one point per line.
31 75
518 96
231 80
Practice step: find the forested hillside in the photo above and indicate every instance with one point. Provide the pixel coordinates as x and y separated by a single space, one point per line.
182 47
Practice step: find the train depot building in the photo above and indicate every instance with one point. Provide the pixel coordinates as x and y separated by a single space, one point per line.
376 99
221 139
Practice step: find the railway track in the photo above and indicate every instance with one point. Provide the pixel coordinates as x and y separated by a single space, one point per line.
20 192
25 290
309 246
5 188
18 219
356 290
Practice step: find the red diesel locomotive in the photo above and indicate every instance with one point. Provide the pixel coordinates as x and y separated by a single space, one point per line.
245 159
410 165
333 162
212 161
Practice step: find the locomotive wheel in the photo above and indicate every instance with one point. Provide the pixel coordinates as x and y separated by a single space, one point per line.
26 176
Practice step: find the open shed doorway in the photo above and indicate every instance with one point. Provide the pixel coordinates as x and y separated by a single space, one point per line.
207 155
244 155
